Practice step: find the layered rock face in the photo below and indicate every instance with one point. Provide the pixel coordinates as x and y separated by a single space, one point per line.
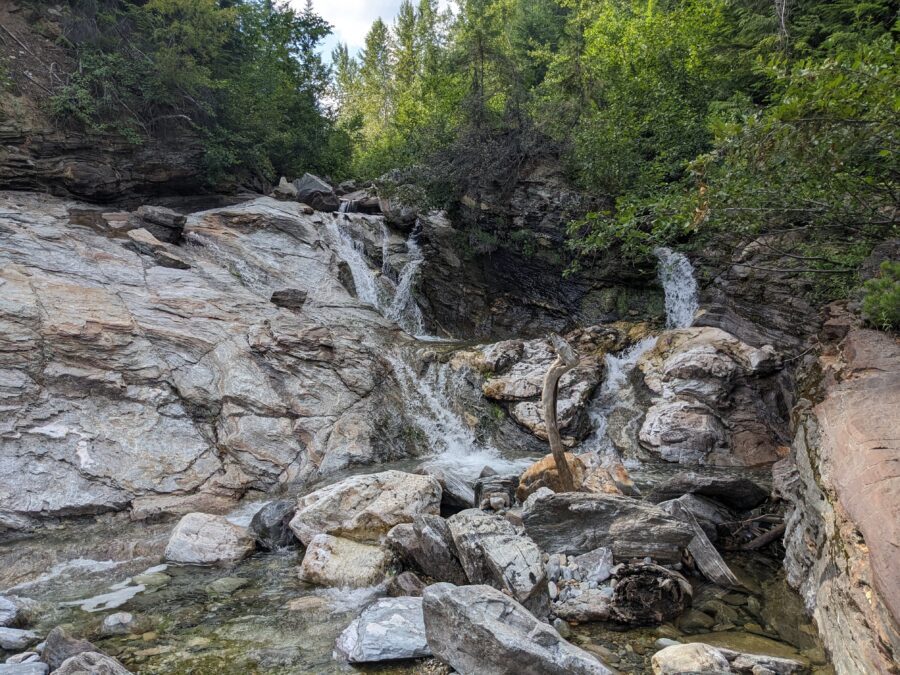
843 486
124 382
495 268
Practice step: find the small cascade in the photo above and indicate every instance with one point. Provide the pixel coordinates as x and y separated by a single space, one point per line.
403 308
428 401
677 278
682 301
351 252
349 206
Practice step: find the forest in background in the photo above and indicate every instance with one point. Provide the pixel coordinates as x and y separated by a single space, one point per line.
692 120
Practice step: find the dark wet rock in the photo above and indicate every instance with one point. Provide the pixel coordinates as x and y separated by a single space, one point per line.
17 639
289 298
403 541
389 629
405 584
92 662
458 493
165 224
576 523
317 193
501 487
437 553
479 630
736 492
201 538
60 646
271 525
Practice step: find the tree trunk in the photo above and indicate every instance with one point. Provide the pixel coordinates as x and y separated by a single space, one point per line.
566 359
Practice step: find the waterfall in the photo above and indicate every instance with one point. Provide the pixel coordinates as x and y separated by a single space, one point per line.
677 278
428 402
351 252
403 309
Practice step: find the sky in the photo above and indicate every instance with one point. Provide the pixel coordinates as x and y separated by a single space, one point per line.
351 19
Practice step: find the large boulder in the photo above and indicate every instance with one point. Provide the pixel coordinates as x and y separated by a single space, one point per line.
480 631
711 402
389 629
61 646
364 508
517 569
317 193
436 553
734 491
576 523
202 538
30 668
334 561
544 473
9 612
468 529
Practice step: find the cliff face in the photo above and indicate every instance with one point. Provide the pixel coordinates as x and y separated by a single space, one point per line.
48 154
842 481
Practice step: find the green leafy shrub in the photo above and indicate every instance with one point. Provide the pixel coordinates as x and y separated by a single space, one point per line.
881 302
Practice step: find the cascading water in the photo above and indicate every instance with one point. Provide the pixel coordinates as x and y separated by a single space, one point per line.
676 275
403 308
677 278
453 445
351 252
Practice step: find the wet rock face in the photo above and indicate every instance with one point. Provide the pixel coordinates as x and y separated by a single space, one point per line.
712 399
842 484
126 383
478 629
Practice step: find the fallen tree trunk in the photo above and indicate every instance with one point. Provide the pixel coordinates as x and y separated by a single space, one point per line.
566 360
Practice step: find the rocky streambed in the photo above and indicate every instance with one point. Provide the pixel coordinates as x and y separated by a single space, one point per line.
233 442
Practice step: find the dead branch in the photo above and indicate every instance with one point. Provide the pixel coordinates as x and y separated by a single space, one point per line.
566 360
765 538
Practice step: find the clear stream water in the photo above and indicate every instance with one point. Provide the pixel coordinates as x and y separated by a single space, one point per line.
81 571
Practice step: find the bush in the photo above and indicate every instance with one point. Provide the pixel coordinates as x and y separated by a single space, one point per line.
881 303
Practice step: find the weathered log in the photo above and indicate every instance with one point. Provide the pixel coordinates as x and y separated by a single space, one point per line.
566 360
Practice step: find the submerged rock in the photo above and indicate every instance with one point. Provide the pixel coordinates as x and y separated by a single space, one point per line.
480 631
576 523
690 658
335 561
119 623
387 630
364 508
94 663
201 538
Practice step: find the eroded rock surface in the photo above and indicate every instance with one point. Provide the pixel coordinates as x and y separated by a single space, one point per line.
126 383
843 484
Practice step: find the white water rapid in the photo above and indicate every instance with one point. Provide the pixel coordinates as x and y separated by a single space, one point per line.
677 278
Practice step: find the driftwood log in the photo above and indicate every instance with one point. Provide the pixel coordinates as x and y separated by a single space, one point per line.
647 595
566 360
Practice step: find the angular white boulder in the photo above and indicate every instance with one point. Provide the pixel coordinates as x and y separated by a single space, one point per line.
389 629
202 538
690 658
334 561
479 630
364 508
